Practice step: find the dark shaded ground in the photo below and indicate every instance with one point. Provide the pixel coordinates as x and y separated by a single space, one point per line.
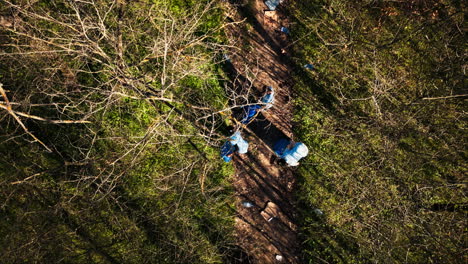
268 228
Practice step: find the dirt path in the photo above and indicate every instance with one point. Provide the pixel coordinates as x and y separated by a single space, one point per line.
267 229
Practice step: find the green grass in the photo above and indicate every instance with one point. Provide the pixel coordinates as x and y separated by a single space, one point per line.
376 170
137 185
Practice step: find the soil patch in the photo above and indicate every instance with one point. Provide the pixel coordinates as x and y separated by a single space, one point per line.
266 230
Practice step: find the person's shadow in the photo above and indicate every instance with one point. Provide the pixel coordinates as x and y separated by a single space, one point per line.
260 125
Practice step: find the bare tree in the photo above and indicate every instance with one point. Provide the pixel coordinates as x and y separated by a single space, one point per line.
111 89
93 55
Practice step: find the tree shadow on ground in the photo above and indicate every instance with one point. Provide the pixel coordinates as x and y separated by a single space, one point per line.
261 184
264 187
266 130
238 256
325 243
314 91
271 232
239 85
330 244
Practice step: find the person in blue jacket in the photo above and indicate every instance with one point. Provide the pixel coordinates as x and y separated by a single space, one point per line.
268 98
250 111
290 152
235 144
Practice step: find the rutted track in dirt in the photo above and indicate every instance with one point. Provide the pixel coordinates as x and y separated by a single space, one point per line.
268 229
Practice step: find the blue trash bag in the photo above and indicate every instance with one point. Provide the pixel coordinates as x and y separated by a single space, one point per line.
227 149
284 30
249 112
272 4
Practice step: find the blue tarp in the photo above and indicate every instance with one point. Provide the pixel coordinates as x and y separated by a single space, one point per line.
272 4
249 112
309 66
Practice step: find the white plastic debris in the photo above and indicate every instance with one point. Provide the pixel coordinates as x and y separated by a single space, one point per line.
247 204
226 58
318 211
278 257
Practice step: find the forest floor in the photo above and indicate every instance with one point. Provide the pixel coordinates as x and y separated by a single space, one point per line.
267 229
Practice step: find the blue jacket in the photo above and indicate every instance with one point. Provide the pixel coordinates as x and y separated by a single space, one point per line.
292 155
235 143
249 112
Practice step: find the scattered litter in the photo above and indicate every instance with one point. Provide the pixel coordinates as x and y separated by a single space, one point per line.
271 14
309 66
284 30
247 204
226 58
271 18
270 212
272 4
318 211
278 257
